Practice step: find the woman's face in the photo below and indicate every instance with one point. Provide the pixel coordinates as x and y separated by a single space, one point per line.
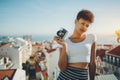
81 25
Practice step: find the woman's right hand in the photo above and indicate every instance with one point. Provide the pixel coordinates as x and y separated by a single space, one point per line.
60 41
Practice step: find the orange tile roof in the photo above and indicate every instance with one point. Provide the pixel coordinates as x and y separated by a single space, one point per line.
37 44
51 50
8 44
101 53
115 51
0 45
7 73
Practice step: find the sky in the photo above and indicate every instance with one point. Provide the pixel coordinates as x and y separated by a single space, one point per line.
45 17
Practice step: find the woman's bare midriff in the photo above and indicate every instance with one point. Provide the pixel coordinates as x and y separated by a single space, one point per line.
81 65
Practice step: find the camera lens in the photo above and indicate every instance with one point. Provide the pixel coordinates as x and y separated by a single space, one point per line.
61 33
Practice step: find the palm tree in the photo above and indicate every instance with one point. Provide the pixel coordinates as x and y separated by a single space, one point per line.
117 32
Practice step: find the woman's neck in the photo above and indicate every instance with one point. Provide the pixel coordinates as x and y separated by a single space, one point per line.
77 35
77 38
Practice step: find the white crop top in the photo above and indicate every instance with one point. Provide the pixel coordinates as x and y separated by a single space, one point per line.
80 52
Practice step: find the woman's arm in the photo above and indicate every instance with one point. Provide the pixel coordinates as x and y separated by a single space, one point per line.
62 63
92 65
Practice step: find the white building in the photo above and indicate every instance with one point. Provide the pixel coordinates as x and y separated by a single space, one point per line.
13 54
16 52
25 47
19 51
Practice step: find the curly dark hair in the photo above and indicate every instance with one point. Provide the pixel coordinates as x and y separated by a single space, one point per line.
85 14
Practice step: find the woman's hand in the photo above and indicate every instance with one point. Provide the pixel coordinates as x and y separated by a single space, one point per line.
60 41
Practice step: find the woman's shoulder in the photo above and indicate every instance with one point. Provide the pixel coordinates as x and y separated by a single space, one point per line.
92 36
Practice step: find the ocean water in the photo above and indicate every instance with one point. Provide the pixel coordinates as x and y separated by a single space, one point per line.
42 38
101 39
35 38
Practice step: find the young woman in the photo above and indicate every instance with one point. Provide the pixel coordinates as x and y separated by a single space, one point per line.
78 54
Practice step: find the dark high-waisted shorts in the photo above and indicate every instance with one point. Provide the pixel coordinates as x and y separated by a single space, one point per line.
72 73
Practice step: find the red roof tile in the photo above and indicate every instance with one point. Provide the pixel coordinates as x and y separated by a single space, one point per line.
8 44
51 50
37 44
7 73
101 53
0 45
115 51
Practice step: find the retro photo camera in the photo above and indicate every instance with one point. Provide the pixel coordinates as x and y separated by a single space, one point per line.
62 33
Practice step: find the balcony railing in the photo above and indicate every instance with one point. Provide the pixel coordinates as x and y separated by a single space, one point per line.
112 59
